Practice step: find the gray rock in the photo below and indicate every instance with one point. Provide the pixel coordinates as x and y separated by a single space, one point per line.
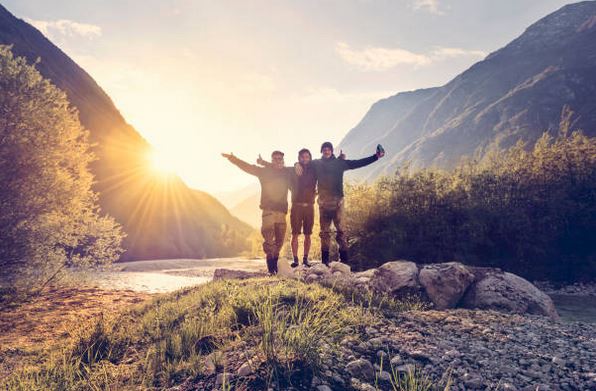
385 376
396 278
445 283
310 278
510 293
340 267
245 369
318 269
324 387
406 368
221 377
361 369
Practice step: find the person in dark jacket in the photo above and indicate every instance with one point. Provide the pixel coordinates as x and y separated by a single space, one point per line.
275 182
302 212
329 171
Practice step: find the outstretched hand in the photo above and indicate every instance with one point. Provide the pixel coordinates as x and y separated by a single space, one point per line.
228 155
380 154
260 161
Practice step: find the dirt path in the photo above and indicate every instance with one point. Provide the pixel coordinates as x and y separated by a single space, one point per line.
46 321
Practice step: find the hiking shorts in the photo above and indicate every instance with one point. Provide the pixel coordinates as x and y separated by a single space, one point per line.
302 218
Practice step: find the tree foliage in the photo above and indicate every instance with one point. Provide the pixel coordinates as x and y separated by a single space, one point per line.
531 211
49 216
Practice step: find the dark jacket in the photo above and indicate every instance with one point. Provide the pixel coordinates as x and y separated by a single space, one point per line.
330 174
304 186
275 184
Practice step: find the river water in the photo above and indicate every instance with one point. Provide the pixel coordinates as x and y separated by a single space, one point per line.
166 275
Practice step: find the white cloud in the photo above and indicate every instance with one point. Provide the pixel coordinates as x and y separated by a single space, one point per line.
382 59
379 59
443 53
431 6
65 27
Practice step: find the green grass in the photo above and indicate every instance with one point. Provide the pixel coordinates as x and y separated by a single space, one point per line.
285 324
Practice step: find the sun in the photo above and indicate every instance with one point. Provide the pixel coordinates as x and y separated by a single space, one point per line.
162 162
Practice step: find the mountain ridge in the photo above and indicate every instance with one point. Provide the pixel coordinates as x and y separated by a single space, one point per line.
515 93
151 209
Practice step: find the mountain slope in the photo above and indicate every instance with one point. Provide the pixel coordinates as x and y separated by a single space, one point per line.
516 93
162 216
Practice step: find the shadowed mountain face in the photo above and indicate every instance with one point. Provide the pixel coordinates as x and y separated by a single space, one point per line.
161 215
516 93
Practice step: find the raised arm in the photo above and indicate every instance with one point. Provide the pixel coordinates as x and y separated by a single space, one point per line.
263 162
244 166
352 164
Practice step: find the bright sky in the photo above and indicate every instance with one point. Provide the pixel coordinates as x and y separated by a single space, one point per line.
197 78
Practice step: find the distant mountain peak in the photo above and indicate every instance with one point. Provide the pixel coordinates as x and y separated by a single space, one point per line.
516 93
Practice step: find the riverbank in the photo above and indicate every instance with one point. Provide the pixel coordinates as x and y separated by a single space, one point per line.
272 332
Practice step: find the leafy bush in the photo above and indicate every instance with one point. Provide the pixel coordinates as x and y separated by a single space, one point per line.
531 212
49 216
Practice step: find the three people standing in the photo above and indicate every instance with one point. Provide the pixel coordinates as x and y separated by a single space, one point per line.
307 175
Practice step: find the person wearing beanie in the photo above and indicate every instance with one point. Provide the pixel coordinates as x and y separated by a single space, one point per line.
275 182
329 171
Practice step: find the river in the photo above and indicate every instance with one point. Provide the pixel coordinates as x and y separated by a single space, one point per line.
166 275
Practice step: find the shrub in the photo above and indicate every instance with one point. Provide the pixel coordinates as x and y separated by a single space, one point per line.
531 212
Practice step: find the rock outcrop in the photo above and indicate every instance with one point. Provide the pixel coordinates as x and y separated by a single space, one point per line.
510 293
445 285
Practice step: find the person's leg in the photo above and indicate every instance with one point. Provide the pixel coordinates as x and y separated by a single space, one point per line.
268 232
306 250
325 218
340 236
308 223
295 224
280 235
295 249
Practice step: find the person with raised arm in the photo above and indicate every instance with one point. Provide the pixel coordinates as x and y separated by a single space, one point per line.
302 211
329 171
275 181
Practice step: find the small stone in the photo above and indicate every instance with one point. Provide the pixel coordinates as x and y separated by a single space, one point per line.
245 369
406 368
396 361
324 387
385 376
361 368
558 361
221 378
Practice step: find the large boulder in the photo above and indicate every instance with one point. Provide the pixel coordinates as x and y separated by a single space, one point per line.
445 283
396 278
509 293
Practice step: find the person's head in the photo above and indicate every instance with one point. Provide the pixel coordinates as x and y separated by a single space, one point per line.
304 156
277 159
327 149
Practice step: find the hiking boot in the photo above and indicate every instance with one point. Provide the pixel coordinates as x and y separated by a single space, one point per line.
325 258
305 262
343 256
271 265
275 264
295 263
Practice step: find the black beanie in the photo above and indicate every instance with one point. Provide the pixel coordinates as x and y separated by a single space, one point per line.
326 144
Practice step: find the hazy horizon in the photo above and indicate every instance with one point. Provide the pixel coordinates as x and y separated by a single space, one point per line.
200 78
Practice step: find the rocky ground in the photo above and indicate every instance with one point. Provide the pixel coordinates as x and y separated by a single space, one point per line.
577 289
471 350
